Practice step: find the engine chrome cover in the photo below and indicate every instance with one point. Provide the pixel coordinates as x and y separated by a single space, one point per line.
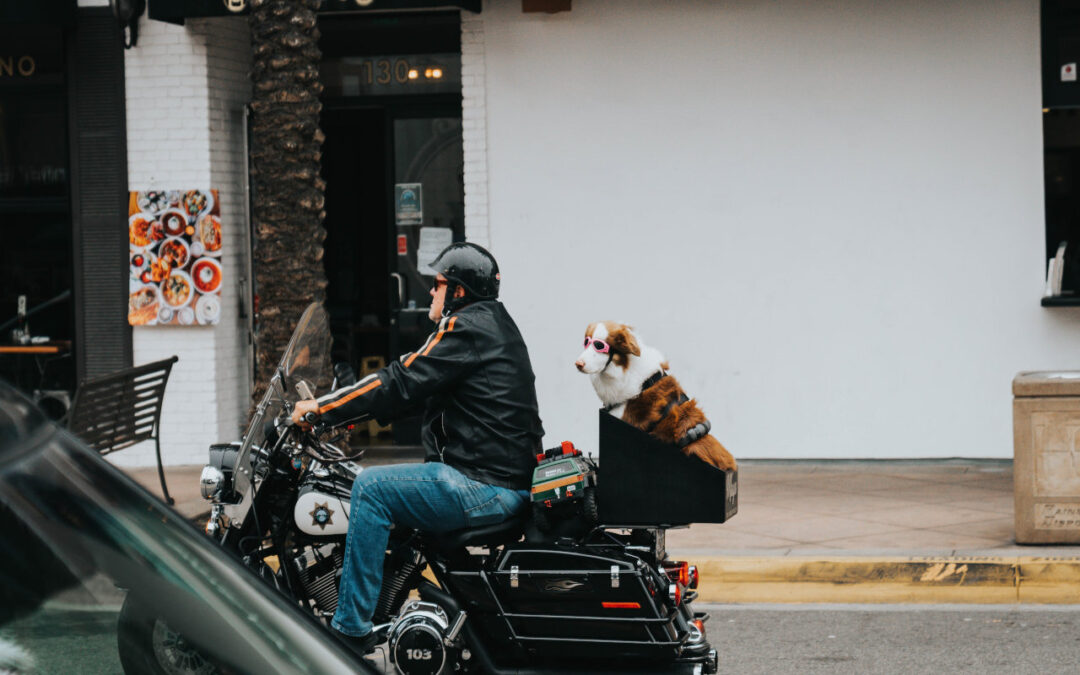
418 639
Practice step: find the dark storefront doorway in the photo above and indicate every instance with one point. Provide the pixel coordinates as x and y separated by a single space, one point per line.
393 165
36 317
63 198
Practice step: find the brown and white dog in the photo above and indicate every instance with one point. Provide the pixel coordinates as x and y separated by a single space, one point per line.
632 381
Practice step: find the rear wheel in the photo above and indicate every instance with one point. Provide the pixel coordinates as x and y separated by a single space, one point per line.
590 507
148 646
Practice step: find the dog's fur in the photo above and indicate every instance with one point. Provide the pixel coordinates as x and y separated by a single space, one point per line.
618 384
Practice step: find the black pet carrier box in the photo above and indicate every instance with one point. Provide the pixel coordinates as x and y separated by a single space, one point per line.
643 481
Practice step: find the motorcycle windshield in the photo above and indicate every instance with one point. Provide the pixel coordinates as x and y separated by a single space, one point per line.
306 359
307 355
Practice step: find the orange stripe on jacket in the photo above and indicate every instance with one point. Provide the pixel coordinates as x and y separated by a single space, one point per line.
438 336
342 401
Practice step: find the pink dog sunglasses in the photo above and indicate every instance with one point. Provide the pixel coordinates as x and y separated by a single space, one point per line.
599 345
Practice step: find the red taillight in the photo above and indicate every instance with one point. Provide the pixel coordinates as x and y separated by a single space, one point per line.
675 593
699 624
620 605
678 571
540 458
694 577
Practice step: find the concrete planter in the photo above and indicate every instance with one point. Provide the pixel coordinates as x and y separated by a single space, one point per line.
1046 456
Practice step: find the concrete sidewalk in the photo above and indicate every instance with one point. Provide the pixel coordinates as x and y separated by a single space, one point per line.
848 531
876 531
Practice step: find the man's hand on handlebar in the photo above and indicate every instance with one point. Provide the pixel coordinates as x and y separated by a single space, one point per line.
303 408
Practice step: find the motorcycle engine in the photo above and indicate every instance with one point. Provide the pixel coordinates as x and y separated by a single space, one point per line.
420 640
319 571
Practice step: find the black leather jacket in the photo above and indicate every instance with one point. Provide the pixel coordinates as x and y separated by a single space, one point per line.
475 380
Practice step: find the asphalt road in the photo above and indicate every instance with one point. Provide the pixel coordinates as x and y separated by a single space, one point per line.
769 639
755 639
896 639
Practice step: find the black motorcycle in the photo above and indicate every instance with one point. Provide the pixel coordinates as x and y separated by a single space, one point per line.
507 598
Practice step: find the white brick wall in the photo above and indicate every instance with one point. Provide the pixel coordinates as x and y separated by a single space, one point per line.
474 128
186 89
229 65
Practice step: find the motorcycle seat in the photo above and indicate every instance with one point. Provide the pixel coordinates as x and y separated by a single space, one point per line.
497 534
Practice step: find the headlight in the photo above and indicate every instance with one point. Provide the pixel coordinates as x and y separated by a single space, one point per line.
210 481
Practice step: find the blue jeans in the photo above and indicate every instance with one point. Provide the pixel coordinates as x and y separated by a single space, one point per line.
431 497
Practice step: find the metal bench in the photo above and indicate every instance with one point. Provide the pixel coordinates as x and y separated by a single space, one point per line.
118 410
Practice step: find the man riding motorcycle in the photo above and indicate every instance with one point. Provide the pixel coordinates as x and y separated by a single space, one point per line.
481 430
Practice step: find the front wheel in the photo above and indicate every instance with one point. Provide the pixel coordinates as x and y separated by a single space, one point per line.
148 646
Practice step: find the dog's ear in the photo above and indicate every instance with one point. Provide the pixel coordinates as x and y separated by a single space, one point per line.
622 340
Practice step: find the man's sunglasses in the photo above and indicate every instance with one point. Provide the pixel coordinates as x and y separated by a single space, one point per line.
438 283
599 345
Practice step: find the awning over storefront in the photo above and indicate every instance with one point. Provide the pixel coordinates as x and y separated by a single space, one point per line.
175 11
38 11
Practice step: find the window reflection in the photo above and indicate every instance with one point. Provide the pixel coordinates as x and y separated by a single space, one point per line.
33 145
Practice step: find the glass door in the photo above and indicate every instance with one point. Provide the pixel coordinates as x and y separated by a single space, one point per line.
392 162
428 214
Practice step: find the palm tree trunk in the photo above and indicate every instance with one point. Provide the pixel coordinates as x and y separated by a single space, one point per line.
287 192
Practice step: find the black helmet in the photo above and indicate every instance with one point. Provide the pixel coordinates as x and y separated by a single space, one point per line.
471 267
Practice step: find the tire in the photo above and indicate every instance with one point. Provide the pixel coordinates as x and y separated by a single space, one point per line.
590 508
148 646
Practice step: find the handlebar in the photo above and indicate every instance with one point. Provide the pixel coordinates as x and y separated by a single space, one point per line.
325 452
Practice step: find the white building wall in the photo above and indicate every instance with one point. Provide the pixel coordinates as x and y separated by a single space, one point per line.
186 87
828 215
474 128
229 67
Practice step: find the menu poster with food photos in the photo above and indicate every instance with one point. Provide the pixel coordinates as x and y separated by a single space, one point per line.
174 241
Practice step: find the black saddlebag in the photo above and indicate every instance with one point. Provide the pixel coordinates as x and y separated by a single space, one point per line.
591 602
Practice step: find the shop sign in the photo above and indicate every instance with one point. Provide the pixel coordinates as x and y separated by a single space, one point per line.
395 74
174 246
31 55
408 204
24 65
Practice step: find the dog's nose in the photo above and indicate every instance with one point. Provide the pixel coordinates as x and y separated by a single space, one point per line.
580 365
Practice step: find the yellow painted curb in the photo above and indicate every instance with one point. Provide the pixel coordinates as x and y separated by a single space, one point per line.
976 580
